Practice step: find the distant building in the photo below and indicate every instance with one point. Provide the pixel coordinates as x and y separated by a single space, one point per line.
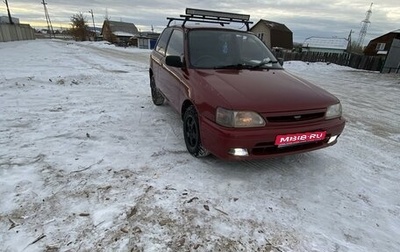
15 31
145 40
118 32
325 45
6 20
386 46
273 34
94 33
382 44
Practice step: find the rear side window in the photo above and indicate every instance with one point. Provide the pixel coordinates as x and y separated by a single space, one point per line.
163 40
175 45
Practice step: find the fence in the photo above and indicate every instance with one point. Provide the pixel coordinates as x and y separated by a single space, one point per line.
13 32
372 63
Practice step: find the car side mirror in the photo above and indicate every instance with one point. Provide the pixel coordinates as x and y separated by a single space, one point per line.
174 61
280 60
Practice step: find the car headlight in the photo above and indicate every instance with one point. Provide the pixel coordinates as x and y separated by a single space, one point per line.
333 111
238 119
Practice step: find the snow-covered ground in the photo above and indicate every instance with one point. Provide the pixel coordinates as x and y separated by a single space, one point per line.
88 163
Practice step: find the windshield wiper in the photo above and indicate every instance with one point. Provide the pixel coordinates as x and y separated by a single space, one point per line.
232 66
263 63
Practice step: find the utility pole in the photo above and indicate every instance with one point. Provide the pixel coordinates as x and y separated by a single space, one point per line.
8 11
364 27
94 26
49 25
349 42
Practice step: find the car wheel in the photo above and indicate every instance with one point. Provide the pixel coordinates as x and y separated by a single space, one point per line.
191 133
156 96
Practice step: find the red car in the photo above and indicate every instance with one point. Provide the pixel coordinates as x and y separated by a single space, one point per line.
235 99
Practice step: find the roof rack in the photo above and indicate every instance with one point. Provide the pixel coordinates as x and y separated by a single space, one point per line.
208 16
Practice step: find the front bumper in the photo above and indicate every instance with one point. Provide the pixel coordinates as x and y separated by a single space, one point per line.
260 142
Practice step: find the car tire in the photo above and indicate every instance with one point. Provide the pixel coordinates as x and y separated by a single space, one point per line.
156 95
191 133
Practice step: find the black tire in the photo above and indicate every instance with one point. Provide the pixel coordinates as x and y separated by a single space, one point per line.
191 133
156 96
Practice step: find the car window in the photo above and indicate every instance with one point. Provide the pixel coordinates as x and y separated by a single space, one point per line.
203 44
219 48
163 40
175 45
252 49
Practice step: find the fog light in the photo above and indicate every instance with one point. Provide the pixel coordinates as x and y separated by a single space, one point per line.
332 139
240 152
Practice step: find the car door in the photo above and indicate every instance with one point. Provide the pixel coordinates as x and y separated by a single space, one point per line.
173 78
158 60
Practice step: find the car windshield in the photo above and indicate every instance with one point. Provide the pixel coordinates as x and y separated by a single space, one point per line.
226 49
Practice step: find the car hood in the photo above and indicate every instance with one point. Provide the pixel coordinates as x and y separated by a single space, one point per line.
264 90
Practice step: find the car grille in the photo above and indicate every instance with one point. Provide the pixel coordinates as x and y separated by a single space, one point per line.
295 116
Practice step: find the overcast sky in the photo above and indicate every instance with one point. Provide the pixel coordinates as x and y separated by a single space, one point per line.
305 18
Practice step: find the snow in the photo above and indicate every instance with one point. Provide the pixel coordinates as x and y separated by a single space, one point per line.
329 43
88 163
123 34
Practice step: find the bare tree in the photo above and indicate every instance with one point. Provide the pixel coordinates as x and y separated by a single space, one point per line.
79 28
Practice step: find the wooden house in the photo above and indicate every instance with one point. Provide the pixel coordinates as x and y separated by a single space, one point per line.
118 32
273 34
